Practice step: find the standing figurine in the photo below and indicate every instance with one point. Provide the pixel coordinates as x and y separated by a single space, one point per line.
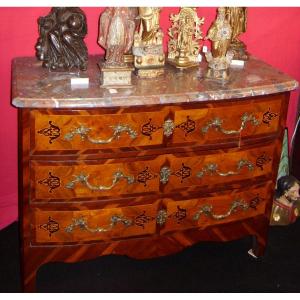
286 204
185 33
116 34
219 58
61 42
237 18
116 29
133 16
149 57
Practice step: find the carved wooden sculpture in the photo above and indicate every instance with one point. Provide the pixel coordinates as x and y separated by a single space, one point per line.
61 41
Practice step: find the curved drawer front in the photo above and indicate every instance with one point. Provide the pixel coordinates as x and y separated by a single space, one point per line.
164 174
92 180
191 173
90 225
235 122
85 132
224 207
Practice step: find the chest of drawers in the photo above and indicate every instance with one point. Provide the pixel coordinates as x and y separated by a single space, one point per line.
148 170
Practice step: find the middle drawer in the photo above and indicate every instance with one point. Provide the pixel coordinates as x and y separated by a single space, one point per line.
171 173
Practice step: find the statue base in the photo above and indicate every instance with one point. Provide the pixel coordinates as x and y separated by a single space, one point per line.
182 64
217 74
115 76
218 67
150 73
149 61
239 51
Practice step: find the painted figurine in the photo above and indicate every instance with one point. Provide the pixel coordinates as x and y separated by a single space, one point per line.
237 18
147 49
219 58
116 29
286 204
185 33
61 42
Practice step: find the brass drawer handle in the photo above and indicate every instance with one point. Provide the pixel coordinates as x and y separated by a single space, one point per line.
207 210
217 124
212 168
81 223
83 179
83 132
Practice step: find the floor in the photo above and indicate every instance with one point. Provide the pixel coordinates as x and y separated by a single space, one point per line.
205 267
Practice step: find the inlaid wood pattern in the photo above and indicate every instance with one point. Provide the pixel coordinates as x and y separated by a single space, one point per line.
101 178
87 131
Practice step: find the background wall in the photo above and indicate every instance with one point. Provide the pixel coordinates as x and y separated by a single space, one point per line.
272 34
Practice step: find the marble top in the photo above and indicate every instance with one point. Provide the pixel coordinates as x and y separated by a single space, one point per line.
35 86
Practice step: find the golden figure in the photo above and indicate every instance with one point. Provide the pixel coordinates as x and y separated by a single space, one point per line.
219 58
286 204
133 14
116 30
147 48
237 18
185 33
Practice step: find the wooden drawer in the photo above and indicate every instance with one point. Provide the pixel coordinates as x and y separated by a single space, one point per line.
52 226
88 132
219 124
173 173
93 179
189 173
225 207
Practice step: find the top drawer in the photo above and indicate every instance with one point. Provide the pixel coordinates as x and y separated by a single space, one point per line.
94 131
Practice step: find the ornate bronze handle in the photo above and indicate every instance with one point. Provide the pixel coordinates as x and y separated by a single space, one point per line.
82 178
81 223
212 168
217 124
207 210
83 132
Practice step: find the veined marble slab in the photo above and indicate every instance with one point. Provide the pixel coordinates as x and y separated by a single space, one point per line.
35 87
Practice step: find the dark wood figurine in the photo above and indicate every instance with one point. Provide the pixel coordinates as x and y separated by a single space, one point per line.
61 41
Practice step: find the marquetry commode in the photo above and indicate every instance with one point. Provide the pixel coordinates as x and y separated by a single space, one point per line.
146 170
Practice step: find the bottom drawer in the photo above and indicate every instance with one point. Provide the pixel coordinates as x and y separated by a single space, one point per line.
163 215
93 225
224 207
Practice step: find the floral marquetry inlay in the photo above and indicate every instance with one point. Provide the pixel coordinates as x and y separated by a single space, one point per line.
51 181
268 116
53 132
51 226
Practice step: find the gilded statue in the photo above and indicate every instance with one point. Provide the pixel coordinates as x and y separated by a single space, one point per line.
133 16
185 33
286 204
237 18
61 39
219 58
116 30
149 57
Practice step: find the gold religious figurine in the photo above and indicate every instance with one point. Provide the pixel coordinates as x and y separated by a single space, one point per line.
149 58
219 58
237 18
116 30
286 204
133 14
185 33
